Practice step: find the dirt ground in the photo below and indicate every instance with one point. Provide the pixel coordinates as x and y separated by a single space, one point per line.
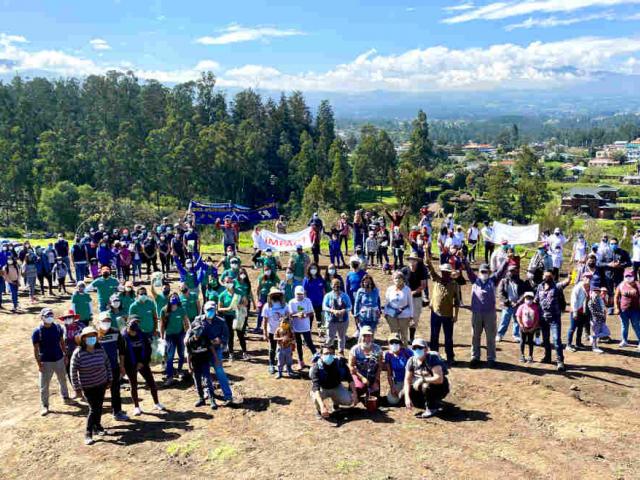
512 421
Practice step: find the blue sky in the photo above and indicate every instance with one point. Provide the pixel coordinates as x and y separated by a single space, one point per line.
331 45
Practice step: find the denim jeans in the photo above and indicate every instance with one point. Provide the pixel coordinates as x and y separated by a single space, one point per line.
551 330
175 342
508 313
13 288
200 371
632 316
2 289
446 323
221 375
81 271
577 323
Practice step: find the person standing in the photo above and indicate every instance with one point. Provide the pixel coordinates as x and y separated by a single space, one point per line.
483 310
487 236
105 285
144 309
173 325
548 297
473 234
417 280
336 306
111 341
367 307
445 303
579 312
91 373
301 312
627 305
215 329
62 250
510 291
50 349
272 313
11 276
200 354
399 307
314 289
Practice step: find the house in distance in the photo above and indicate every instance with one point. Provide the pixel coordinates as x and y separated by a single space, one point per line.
597 202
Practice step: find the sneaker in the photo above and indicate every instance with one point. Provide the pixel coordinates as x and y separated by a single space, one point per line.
522 359
137 412
121 416
100 431
597 350
623 344
474 362
279 375
572 348
67 400
498 338
160 407
271 369
429 413
199 403
561 367
246 356
292 374
214 405
529 359
88 440
491 363
169 381
44 411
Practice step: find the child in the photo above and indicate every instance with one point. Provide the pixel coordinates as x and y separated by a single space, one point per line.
200 351
598 317
383 247
371 248
60 272
335 253
72 327
94 270
528 317
30 274
286 346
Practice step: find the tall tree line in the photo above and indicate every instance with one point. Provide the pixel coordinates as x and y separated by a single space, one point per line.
113 137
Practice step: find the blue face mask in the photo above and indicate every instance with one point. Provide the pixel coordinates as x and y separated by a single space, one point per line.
91 341
614 246
211 313
328 359
418 352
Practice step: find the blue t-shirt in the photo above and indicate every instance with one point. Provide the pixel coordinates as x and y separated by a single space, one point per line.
49 340
354 279
398 363
314 288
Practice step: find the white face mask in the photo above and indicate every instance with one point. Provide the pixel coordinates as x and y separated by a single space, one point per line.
395 347
104 326
313 271
116 303
68 321
484 277
528 301
332 271
48 319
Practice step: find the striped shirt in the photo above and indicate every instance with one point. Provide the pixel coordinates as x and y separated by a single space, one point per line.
89 369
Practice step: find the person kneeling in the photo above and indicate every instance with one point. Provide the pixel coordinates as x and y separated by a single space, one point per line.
425 383
327 375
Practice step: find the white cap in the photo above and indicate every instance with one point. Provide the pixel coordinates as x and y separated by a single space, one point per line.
299 290
209 306
104 316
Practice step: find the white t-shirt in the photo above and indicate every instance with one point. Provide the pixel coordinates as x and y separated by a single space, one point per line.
459 238
487 234
556 258
274 316
555 240
636 249
399 303
300 325
473 233
580 250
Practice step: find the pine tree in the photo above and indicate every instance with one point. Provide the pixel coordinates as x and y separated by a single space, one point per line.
340 182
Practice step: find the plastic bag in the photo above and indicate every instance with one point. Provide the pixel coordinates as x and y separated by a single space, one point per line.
241 317
158 350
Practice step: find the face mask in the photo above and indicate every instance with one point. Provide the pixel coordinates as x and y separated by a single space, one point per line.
142 297
68 321
189 266
313 271
267 272
548 280
418 352
332 271
269 254
395 347
104 326
91 341
541 251
614 246
628 279
235 266
528 301
166 291
211 313
367 345
48 319
328 359
106 275
243 276
484 277
115 303
229 286
289 276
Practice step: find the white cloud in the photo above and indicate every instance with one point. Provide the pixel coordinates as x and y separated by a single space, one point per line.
549 22
502 10
410 9
238 33
100 44
537 65
161 18
459 8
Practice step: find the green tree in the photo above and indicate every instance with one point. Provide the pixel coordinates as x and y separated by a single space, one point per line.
420 152
530 185
374 158
340 181
409 186
59 206
499 192
314 197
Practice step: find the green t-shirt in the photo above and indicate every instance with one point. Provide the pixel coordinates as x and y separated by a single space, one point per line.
190 305
299 262
228 273
144 311
241 289
105 288
125 302
288 288
264 285
268 262
175 320
190 280
225 300
161 302
227 262
82 305
211 295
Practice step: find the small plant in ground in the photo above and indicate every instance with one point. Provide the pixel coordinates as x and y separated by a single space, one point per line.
182 450
222 453
348 466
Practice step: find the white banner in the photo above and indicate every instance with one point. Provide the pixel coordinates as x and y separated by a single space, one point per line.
284 242
515 235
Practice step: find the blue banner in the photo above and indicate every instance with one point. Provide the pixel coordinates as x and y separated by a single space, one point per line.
208 213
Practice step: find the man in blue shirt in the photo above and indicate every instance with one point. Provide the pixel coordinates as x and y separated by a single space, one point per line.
216 330
62 250
49 349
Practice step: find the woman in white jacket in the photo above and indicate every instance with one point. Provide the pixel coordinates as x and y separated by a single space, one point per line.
399 307
579 316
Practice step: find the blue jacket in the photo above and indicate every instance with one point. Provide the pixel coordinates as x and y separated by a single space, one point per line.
42 264
314 288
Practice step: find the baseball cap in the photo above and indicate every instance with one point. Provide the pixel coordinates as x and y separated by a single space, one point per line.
209 306
299 290
419 342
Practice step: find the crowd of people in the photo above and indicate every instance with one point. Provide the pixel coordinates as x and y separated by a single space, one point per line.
101 346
